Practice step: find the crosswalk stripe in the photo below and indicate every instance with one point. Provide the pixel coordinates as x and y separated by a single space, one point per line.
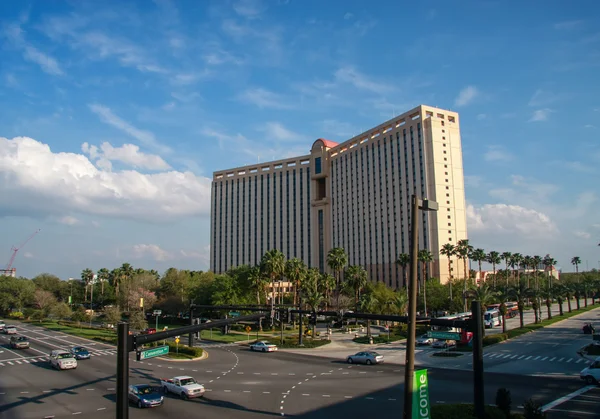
26 361
522 356
18 362
536 358
552 359
544 358
10 363
514 356
527 357
1 364
560 360
507 356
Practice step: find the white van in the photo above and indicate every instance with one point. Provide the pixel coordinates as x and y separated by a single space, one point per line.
591 374
62 360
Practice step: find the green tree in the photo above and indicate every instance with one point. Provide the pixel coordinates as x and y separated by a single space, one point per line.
137 320
337 260
463 250
479 255
356 280
515 262
258 282
87 277
44 300
449 250
403 261
295 271
520 292
273 265
328 282
112 315
425 257
507 257
486 296
368 304
494 258
576 260
61 311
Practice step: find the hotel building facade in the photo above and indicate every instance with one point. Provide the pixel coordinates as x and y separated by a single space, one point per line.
355 195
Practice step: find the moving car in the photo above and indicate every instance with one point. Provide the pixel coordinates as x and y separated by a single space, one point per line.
2 325
62 360
19 342
144 395
10 330
424 340
184 386
591 373
263 347
368 357
79 352
443 344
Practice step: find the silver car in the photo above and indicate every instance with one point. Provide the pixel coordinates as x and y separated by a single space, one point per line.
443 344
424 340
368 357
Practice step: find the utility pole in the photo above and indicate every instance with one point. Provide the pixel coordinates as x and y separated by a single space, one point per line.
122 371
92 300
191 335
300 343
478 359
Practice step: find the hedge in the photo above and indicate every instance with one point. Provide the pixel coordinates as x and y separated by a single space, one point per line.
466 411
293 343
183 349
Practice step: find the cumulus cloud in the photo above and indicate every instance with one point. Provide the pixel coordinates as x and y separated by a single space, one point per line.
264 98
351 75
278 132
466 96
43 183
128 154
582 234
156 253
47 63
68 220
509 219
540 115
497 153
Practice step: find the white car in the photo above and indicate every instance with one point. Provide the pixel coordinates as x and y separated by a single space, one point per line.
263 347
184 386
2 325
443 344
62 360
591 374
10 330
424 340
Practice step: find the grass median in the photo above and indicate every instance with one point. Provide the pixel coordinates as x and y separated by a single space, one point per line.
79 330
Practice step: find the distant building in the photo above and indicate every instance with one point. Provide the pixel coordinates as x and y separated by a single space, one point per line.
9 272
355 195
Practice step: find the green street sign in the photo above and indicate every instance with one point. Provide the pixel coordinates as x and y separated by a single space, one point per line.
421 408
444 335
234 314
151 353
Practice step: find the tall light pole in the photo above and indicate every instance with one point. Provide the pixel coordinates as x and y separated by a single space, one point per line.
409 369
92 301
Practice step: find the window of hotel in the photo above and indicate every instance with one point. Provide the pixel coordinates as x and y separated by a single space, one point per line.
445 159
448 195
444 150
447 187
448 202
446 166
449 224
449 217
318 165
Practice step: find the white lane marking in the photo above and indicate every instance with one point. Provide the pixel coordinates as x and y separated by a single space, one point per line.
544 358
101 408
536 358
274 373
10 363
227 391
304 394
90 389
18 362
1 364
580 360
291 373
392 400
326 395
569 360
528 358
110 389
24 392
266 392
347 397
522 356
552 359
514 356
345 373
369 398
246 391
579 412
92 342
47 391
566 398
76 413
560 360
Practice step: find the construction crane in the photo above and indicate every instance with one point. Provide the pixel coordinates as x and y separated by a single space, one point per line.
16 249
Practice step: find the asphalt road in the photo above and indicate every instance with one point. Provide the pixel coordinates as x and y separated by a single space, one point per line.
240 384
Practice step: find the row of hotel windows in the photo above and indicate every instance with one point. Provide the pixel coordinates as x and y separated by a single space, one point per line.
344 173
231 246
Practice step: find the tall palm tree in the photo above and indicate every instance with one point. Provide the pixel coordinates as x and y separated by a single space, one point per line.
295 270
103 276
479 255
507 257
576 260
536 261
463 250
401 303
257 280
337 260
313 298
559 294
503 296
368 303
272 265
115 279
525 264
548 295
520 292
356 279
494 258
126 276
328 284
448 250
404 260
425 257
515 262
486 296
549 263
87 276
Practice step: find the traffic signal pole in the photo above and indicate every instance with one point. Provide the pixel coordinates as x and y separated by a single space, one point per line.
122 371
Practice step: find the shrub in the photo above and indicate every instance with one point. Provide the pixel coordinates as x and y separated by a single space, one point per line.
183 349
492 339
463 411
504 400
15 315
533 410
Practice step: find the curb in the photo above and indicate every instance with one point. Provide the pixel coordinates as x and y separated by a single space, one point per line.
201 358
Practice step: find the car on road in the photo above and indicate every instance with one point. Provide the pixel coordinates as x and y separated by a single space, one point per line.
19 342
2 325
79 352
591 374
424 340
263 346
368 357
443 344
184 386
10 330
144 395
62 360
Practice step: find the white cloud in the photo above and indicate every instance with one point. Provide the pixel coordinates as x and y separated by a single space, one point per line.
497 153
69 220
589 126
46 62
69 182
144 137
248 8
156 253
473 181
509 219
582 234
542 98
128 154
575 166
540 115
361 81
348 15
264 99
28 255
276 131
481 116
568 24
466 96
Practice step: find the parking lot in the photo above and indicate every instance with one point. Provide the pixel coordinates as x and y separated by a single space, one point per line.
583 404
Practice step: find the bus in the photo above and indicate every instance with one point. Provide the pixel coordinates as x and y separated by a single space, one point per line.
492 318
465 336
512 309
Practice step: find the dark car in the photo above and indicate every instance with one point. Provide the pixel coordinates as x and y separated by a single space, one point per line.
19 342
144 395
79 352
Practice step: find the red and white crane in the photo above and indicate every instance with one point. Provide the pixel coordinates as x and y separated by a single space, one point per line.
16 249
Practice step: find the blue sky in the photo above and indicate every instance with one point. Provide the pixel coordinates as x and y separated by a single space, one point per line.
115 114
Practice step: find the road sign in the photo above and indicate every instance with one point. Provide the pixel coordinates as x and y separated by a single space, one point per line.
151 353
420 405
157 312
176 340
444 335
234 314
248 329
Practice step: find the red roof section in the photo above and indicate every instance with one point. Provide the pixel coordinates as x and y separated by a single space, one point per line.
328 143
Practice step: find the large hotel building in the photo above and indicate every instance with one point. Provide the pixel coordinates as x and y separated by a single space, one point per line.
355 195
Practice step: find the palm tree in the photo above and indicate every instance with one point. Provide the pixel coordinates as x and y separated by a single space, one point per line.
515 262
486 296
507 257
126 275
568 290
503 297
87 276
401 303
425 257
494 258
337 260
536 261
549 263
448 250
463 250
328 284
368 303
295 270
526 263
313 299
103 276
115 278
520 292
356 279
404 260
479 255
257 280
576 260
559 293
272 265
548 295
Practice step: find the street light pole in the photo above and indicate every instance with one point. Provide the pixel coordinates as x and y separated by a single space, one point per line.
122 371
92 301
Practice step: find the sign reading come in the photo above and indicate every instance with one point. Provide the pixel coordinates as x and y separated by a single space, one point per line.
421 406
